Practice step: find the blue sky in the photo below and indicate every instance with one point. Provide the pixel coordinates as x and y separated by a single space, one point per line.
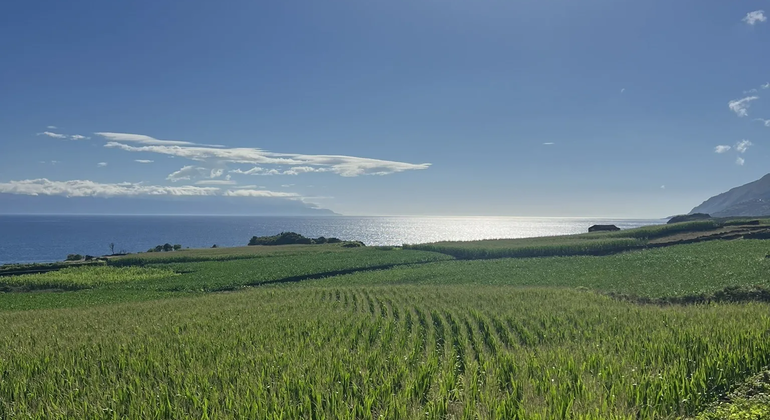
520 108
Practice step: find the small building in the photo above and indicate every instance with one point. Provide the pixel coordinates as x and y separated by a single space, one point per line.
603 228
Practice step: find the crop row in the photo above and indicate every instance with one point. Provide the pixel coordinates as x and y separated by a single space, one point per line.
380 352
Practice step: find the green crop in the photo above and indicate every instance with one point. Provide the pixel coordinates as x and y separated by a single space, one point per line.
672 272
598 243
84 277
384 352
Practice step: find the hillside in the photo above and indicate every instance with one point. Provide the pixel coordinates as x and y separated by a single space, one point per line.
752 199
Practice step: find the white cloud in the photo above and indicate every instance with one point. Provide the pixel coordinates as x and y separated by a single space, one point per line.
765 122
287 185
53 135
51 127
259 193
662 187
141 139
296 170
348 166
756 16
190 171
741 106
144 161
548 143
79 137
722 148
750 91
766 85
622 90
739 161
215 182
85 188
743 145
101 164
186 173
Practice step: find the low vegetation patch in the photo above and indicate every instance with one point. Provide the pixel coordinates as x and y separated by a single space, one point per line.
82 277
530 247
291 238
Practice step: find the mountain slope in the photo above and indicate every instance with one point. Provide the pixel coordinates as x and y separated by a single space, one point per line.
752 199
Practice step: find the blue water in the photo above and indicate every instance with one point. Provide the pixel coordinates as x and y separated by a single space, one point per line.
51 238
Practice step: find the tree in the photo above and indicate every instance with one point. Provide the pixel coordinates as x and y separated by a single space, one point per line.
158 248
167 247
112 248
177 247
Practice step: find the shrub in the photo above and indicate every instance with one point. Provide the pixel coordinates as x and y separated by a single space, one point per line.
74 257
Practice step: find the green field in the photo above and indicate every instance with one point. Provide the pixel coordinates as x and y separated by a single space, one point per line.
325 332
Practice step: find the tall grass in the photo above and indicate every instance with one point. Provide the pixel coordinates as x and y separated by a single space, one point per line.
85 277
382 352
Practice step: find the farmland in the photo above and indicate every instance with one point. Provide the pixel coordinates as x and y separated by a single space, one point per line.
326 332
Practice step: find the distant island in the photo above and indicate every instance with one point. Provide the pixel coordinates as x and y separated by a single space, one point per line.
749 200
161 205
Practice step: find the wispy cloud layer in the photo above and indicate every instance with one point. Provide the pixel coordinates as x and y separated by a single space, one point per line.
52 135
141 139
86 188
62 136
741 106
348 166
296 170
143 161
215 182
101 164
764 121
722 148
739 161
757 16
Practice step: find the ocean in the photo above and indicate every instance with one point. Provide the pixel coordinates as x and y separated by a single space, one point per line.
25 239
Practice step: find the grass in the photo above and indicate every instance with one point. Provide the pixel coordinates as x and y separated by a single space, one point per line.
597 243
74 278
221 254
677 271
381 332
381 352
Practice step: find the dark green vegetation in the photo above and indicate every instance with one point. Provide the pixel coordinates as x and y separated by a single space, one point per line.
324 331
750 401
291 238
167 247
689 217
